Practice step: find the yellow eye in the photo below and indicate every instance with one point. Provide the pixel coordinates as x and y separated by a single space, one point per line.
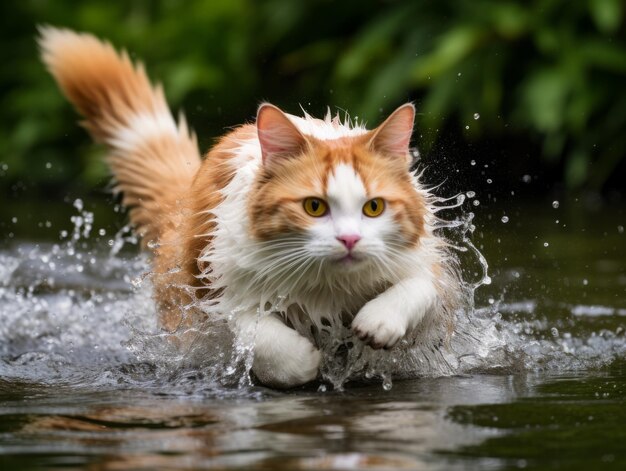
315 207
374 207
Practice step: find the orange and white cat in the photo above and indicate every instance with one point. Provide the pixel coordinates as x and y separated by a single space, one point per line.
286 219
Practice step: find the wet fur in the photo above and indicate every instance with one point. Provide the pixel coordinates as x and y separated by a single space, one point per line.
230 230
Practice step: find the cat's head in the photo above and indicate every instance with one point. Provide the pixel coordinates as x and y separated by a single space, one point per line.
344 198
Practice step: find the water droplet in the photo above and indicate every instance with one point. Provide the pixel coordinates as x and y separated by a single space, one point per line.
459 74
526 178
322 388
476 116
78 204
387 384
471 194
585 281
102 232
546 244
505 219
476 202
487 280
48 165
473 162
466 127
620 229
554 331
14 220
555 204
489 180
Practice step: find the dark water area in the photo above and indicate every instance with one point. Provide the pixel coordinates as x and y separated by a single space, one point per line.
87 380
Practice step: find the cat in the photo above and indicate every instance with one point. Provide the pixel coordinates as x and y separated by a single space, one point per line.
286 220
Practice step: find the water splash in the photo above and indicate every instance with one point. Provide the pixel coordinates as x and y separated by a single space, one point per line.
77 313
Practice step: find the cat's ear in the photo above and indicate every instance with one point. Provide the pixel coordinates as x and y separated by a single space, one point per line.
394 135
278 136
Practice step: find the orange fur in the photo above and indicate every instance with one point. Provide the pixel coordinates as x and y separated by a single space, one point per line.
215 173
153 173
171 192
276 199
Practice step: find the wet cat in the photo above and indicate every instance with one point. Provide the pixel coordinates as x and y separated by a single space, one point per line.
286 220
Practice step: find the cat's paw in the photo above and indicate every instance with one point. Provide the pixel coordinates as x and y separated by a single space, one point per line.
286 360
378 327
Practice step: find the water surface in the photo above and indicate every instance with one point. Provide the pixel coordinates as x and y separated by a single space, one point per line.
86 380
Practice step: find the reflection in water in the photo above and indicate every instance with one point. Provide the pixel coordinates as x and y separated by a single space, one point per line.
438 423
354 430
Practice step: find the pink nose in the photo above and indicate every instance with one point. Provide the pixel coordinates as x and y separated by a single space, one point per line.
349 240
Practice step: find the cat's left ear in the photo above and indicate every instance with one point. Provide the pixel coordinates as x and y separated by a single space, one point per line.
278 136
394 135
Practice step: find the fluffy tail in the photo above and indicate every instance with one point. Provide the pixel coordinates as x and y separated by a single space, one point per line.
153 160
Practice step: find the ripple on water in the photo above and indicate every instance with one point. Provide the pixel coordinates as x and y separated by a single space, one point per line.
89 329
84 316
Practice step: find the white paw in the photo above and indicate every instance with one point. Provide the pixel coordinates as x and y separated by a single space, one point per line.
378 327
285 360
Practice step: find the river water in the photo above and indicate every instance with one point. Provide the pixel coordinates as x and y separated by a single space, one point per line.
88 381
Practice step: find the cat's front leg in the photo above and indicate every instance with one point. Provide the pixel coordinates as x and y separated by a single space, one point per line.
282 357
386 319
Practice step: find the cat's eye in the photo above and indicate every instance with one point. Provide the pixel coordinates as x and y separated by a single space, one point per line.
374 207
315 207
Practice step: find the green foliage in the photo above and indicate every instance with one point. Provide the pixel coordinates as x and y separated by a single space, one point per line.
548 71
547 68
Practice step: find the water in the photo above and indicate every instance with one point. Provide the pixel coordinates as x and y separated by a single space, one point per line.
535 378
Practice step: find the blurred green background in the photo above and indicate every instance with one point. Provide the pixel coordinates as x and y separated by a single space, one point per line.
533 90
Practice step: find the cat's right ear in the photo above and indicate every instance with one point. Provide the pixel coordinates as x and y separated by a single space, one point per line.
278 136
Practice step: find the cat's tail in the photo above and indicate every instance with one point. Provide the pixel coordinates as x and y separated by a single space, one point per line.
152 158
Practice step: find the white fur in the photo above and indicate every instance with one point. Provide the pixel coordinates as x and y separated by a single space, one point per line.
387 290
142 127
328 128
283 358
384 320
346 192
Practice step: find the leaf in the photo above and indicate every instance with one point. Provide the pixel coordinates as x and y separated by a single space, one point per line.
370 43
607 14
602 54
544 97
509 19
576 168
452 48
